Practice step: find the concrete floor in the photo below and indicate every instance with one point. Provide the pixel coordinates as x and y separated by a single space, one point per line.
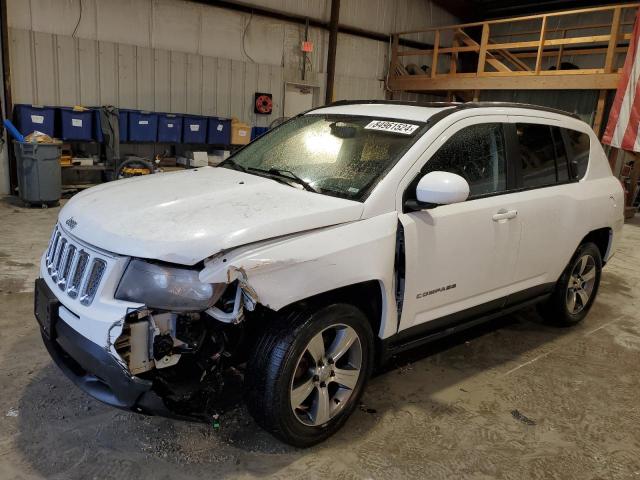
512 400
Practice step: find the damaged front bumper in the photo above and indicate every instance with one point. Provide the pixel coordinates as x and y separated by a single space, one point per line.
96 372
178 391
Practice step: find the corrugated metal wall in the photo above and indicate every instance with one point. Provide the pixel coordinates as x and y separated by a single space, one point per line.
183 57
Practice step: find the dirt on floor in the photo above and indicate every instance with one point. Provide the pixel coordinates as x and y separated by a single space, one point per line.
515 399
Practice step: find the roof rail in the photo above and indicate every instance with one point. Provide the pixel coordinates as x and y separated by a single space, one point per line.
456 105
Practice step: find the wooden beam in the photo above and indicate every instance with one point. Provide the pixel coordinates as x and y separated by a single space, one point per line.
541 45
482 55
560 52
575 40
453 63
597 121
560 81
434 58
613 41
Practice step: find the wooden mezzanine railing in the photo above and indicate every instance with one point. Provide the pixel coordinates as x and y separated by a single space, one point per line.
495 61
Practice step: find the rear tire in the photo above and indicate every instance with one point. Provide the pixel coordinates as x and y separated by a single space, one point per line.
576 289
308 371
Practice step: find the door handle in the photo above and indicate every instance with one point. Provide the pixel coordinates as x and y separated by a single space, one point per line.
505 215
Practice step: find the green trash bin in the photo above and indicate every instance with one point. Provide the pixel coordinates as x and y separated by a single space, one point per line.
39 177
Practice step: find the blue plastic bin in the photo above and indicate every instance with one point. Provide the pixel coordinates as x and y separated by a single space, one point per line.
219 132
123 124
169 127
32 117
194 129
76 125
143 126
97 125
258 132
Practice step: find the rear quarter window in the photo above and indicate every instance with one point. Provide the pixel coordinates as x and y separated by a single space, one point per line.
579 145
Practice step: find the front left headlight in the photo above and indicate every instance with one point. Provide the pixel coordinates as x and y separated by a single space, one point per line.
167 288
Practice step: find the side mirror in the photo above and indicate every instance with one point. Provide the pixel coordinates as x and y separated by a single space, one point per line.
440 188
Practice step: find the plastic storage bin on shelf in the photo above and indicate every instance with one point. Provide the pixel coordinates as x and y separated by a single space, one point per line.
143 126
169 128
219 131
39 177
240 132
258 132
194 129
76 125
97 125
29 118
123 121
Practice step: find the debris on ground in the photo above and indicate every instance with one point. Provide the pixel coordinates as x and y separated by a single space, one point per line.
366 409
12 412
522 418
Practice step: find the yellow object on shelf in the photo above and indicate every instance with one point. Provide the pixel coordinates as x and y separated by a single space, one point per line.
240 132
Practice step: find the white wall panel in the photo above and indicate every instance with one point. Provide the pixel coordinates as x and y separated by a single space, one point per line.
145 78
88 72
162 80
126 76
178 82
123 21
68 70
22 71
194 84
108 73
209 86
222 33
176 25
45 69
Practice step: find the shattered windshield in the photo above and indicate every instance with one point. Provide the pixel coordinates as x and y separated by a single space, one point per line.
339 155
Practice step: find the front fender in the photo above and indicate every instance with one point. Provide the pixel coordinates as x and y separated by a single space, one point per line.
282 271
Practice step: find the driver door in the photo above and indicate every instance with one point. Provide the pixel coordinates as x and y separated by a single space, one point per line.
460 258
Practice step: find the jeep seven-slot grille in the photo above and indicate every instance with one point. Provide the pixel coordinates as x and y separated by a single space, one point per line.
73 268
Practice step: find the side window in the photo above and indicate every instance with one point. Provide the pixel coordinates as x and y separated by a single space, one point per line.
561 155
537 155
477 153
579 147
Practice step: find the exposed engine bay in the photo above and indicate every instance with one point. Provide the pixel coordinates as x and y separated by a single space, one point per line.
190 356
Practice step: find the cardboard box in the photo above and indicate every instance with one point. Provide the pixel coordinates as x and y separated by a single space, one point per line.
240 133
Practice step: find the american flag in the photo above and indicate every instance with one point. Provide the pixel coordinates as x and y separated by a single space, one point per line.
624 119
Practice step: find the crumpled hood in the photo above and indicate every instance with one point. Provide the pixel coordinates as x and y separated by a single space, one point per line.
185 217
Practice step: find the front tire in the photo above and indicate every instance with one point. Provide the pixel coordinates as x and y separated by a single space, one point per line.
308 372
576 289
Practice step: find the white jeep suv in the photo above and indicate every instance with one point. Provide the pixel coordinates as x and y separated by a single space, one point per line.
349 233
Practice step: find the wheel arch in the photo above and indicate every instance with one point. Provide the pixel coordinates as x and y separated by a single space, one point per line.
603 239
368 296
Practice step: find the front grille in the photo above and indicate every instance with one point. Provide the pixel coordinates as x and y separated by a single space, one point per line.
75 269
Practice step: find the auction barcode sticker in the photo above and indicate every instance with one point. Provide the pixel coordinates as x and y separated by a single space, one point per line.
394 127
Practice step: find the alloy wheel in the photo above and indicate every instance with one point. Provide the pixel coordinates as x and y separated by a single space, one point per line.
326 375
581 283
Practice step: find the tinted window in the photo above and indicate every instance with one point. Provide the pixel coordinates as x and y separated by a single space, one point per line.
537 155
561 155
476 153
579 144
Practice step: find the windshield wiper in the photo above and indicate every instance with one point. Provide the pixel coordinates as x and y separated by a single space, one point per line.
235 165
286 174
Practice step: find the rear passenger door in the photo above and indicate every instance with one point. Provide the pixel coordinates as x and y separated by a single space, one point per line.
546 202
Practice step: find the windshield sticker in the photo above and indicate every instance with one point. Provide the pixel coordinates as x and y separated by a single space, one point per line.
393 127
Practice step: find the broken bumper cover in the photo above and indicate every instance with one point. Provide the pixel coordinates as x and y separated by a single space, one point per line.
99 374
